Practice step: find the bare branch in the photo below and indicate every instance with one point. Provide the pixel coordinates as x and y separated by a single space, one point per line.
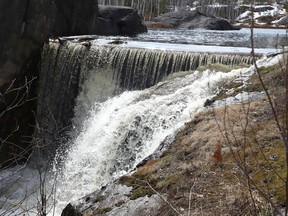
163 198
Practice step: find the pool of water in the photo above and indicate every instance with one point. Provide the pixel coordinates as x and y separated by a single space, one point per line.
200 40
263 38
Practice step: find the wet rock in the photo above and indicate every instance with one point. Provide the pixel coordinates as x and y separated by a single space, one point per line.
70 211
117 42
113 200
21 41
209 102
34 21
75 17
194 19
164 145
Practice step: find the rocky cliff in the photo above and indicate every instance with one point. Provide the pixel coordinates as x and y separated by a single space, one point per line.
26 25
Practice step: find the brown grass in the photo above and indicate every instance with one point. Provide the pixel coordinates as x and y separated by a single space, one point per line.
188 170
191 180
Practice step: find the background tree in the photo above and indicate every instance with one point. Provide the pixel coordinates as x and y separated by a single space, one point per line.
151 8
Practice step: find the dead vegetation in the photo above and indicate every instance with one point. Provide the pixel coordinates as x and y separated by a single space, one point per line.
202 172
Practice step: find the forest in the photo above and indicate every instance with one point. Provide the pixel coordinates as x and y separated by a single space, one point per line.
228 9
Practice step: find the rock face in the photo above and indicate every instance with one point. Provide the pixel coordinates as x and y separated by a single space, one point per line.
75 17
21 40
33 22
193 19
113 200
118 20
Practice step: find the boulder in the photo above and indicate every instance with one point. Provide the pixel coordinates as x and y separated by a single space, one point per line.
75 17
193 19
117 20
33 22
281 21
21 40
114 199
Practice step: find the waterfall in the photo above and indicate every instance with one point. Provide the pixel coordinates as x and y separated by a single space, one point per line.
76 74
121 131
110 107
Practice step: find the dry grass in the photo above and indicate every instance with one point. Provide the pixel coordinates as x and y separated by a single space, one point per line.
187 171
195 184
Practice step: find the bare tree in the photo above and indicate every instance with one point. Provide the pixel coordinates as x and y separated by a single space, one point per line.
249 141
13 97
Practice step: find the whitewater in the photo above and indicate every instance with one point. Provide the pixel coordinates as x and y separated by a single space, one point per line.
111 136
120 132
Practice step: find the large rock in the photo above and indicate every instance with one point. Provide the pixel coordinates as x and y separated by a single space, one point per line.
33 22
193 19
76 17
22 34
116 20
281 21
114 199
25 25
21 40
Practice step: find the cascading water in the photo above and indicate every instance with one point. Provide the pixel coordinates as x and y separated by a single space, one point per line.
69 68
120 132
116 123
113 132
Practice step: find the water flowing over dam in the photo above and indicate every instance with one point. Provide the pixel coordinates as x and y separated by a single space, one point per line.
112 125
102 109
122 131
76 74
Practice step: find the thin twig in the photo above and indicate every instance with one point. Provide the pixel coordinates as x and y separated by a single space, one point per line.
190 197
163 198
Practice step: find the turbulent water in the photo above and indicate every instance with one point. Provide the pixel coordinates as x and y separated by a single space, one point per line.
125 129
121 131
92 72
117 104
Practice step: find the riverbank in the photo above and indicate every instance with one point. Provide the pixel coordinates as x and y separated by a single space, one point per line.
202 171
200 174
157 25
261 26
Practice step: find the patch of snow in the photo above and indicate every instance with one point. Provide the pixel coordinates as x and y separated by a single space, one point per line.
262 11
217 5
244 15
